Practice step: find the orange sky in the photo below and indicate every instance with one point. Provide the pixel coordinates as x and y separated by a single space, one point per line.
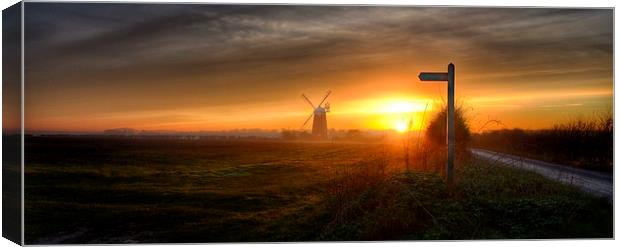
229 67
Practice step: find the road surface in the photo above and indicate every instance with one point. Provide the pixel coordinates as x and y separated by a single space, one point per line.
597 183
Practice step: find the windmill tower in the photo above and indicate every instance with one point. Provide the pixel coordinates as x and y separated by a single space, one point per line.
319 123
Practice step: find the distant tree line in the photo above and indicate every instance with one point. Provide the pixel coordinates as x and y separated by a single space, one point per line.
581 142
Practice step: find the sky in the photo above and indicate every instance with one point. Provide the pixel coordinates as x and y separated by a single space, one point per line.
11 70
187 67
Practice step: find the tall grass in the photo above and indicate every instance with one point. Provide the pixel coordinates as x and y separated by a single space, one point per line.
583 142
373 202
387 197
431 151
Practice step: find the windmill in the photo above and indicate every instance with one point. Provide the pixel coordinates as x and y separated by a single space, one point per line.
319 123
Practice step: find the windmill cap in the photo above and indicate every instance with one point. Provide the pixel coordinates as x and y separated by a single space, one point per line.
319 110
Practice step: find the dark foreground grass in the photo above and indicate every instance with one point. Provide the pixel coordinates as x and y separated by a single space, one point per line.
115 190
487 202
112 190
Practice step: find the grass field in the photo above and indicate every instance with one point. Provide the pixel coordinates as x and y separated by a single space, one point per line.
117 190
122 190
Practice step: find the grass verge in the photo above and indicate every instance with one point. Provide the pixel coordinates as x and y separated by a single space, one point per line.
488 202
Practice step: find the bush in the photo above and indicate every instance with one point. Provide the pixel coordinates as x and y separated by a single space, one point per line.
436 130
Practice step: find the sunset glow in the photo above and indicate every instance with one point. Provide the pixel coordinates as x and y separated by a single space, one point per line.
158 68
403 107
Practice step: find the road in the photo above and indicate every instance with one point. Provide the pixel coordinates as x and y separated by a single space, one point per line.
596 183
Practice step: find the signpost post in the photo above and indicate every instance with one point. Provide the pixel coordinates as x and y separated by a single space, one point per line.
450 135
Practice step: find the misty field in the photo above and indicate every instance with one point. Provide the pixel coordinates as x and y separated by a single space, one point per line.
124 190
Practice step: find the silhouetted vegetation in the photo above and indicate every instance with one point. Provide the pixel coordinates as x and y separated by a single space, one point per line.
436 130
581 142
291 135
429 153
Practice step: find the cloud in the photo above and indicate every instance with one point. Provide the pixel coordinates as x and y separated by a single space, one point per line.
131 57
213 36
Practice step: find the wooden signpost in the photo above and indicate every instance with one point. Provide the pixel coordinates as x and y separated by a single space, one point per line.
449 77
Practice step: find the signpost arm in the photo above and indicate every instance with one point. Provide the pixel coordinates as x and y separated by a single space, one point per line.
450 125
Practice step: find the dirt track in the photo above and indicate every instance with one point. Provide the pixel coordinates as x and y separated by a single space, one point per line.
597 183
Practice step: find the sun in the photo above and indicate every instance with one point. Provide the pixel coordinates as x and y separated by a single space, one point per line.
397 114
401 126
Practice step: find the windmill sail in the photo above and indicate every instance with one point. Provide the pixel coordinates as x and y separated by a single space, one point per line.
308 119
324 98
308 100
319 116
